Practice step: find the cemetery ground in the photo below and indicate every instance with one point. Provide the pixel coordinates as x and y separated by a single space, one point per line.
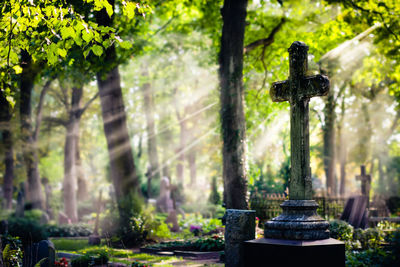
156 245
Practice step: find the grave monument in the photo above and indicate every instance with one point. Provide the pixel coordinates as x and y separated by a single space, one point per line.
297 237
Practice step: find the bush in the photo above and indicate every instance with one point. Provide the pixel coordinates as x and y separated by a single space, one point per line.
33 215
343 231
68 230
12 252
29 231
91 259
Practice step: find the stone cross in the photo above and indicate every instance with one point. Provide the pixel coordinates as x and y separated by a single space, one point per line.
298 90
365 182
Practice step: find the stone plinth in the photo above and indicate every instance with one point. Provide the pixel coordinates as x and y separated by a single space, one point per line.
299 221
240 227
281 252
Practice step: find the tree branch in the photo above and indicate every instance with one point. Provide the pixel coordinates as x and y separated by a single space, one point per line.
40 108
56 121
266 41
82 110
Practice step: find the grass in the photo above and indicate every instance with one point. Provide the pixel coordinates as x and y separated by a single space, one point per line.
70 244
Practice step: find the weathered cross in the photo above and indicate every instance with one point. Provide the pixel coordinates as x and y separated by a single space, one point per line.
365 181
298 90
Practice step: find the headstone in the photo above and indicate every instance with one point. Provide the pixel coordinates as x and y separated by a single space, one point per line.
299 236
164 201
365 183
240 226
173 220
46 251
355 212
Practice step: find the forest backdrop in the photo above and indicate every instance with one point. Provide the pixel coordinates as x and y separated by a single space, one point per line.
112 95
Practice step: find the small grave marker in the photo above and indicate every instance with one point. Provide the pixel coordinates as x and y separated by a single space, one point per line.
365 182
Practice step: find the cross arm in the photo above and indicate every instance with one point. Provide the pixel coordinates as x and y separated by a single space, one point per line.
280 91
317 85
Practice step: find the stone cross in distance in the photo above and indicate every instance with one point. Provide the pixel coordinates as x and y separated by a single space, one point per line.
298 90
365 181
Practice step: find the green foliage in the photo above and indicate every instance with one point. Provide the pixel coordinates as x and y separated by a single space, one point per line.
12 251
341 230
206 225
33 215
69 230
29 231
91 258
212 243
369 238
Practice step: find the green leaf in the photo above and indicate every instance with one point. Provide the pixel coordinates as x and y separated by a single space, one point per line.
97 50
125 45
62 52
17 69
87 36
86 52
67 32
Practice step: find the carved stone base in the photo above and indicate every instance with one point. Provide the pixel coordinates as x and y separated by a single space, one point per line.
298 221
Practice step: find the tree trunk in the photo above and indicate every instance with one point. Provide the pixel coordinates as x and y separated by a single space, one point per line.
192 167
153 171
82 184
9 165
232 103
70 184
5 117
30 153
122 166
180 151
329 144
343 160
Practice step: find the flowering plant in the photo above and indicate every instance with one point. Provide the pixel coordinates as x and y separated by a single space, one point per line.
62 262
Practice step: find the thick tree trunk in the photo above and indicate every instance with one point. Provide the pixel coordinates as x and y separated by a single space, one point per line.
232 103
329 144
154 172
123 171
122 166
5 117
9 165
70 184
30 153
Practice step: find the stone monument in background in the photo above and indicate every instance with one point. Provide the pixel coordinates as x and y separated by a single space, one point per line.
297 237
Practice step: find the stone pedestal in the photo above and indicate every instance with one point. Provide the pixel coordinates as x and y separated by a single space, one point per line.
280 252
240 227
298 221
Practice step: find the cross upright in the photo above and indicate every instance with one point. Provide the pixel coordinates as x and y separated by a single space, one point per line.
298 90
365 181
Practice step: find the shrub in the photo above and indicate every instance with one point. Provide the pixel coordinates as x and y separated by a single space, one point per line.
93 258
68 230
27 230
341 230
12 252
33 215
